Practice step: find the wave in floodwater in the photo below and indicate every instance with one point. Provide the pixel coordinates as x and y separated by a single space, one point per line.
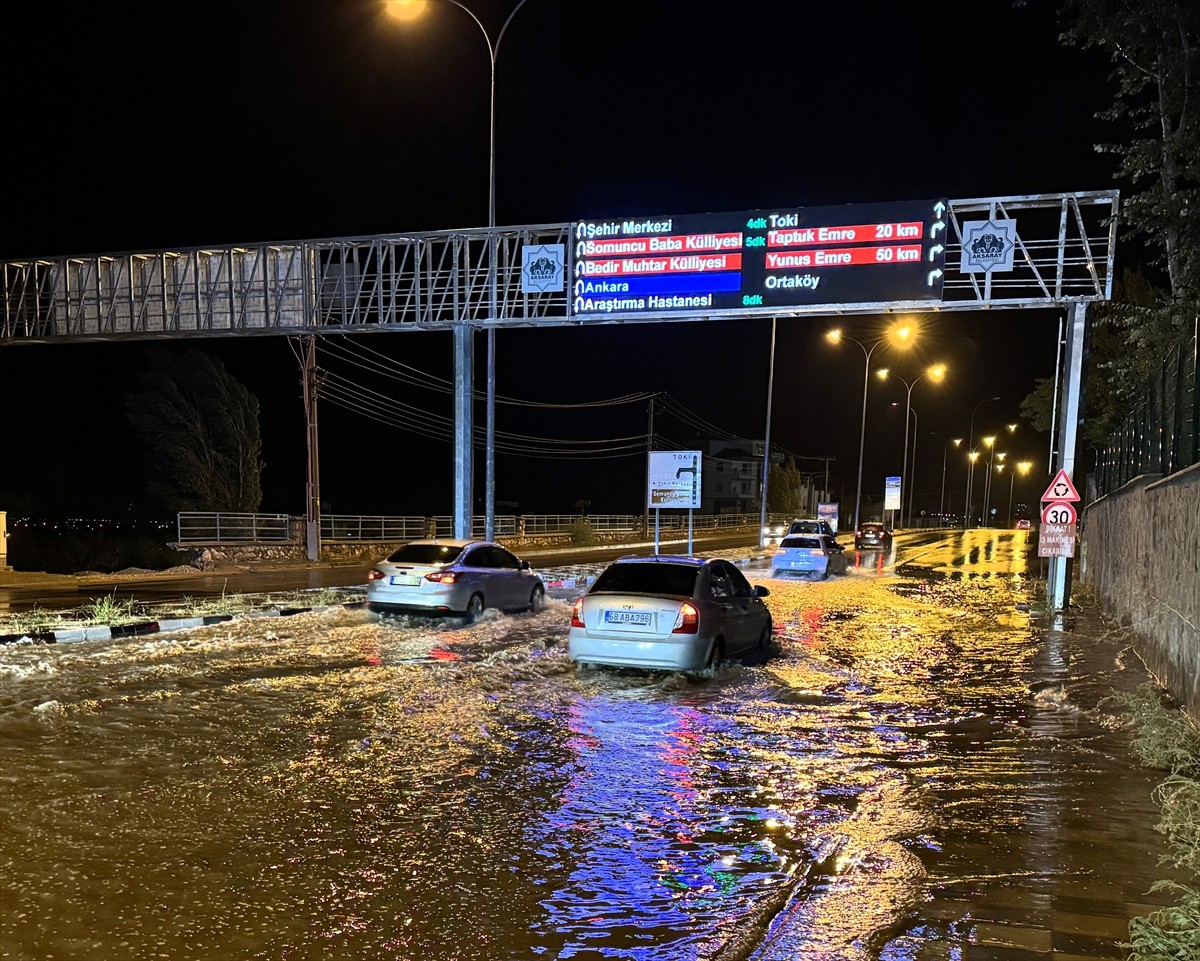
333 785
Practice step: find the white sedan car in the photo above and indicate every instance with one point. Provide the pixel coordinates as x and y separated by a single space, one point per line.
453 577
674 613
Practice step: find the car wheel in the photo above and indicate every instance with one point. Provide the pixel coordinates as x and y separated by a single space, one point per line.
774 572
825 573
474 608
537 599
716 655
764 639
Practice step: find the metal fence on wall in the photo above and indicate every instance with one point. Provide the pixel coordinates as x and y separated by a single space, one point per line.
199 527
1159 434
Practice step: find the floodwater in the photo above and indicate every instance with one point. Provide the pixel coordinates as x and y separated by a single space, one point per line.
917 771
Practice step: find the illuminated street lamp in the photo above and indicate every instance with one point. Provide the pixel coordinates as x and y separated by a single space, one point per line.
405 10
971 471
946 442
1023 467
936 373
899 335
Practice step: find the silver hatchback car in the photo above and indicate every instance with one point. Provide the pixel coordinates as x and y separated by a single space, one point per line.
674 613
453 577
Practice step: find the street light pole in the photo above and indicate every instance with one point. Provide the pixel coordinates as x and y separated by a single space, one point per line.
912 477
835 337
490 446
945 454
971 471
936 372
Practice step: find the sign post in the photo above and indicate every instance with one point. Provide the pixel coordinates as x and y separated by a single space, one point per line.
673 480
891 496
1056 533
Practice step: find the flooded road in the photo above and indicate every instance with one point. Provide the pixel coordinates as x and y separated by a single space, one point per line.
916 771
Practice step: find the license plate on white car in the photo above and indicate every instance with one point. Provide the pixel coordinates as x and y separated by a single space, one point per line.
641 618
404 580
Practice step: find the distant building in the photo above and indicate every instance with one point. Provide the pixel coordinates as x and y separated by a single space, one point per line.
732 475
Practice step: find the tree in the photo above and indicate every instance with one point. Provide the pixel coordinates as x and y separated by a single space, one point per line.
785 488
1154 46
200 427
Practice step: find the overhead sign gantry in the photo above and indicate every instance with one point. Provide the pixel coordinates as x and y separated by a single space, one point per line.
1028 251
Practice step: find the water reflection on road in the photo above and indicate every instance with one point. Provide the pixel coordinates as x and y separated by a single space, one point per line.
329 786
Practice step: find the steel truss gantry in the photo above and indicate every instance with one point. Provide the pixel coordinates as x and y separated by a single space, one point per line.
443 280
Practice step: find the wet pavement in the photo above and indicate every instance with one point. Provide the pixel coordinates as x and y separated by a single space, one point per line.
918 770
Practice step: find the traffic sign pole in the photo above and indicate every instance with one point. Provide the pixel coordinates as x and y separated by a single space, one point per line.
1068 427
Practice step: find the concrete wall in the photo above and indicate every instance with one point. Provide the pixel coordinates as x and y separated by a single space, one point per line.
1141 554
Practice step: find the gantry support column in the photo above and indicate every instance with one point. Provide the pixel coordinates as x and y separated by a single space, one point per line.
464 357
312 510
1068 440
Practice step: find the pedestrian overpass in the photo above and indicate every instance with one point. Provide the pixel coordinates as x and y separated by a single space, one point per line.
1035 251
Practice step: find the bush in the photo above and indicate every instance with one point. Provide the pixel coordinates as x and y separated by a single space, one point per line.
583 534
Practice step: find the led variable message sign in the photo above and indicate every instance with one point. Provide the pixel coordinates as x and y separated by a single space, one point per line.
803 256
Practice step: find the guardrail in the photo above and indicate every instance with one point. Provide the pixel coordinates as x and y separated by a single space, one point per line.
354 527
200 527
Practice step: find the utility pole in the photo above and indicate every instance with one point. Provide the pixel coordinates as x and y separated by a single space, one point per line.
649 448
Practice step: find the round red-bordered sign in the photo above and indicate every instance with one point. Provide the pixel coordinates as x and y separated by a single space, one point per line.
1059 512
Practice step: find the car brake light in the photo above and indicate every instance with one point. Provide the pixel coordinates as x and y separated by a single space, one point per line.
688 621
374 575
817 552
442 577
577 613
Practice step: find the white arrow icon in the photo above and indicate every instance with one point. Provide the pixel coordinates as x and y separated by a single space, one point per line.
934 251
940 225
939 208
579 268
579 230
933 275
579 286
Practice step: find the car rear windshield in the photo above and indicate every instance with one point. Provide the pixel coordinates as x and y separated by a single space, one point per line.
648 578
809 542
425 554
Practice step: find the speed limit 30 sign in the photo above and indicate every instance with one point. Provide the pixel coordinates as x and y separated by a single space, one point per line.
1059 512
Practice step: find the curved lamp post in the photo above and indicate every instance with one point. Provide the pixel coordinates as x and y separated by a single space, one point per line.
408 10
946 442
937 374
900 335
971 469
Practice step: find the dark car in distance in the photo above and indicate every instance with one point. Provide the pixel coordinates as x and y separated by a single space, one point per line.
872 534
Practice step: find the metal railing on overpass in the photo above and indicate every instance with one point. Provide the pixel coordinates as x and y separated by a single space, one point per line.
442 279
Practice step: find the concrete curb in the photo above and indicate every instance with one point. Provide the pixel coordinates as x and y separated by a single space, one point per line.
109 632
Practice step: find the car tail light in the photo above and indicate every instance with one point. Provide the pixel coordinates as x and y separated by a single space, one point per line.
817 552
442 577
688 621
577 613
375 575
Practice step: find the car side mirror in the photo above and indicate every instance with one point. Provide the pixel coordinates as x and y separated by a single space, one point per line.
760 591
525 565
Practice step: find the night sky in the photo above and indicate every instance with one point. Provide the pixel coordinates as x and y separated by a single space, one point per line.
136 126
